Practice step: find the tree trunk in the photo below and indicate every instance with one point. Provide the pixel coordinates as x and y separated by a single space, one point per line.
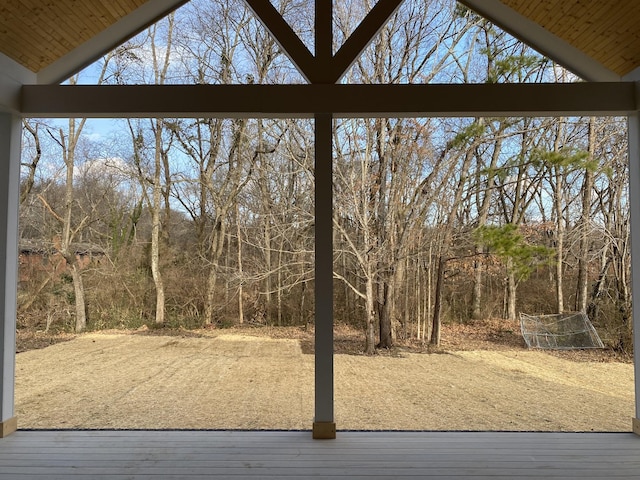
476 307
559 276
346 292
407 307
398 322
385 290
155 262
428 300
160 160
33 165
585 217
217 244
444 250
559 271
78 289
419 298
370 330
512 286
265 193
598 287
483 213
231 186
583 260
303 294
279 289
437 306
240 271
67 235
156 226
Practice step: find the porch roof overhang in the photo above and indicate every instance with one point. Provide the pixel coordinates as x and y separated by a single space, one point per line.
42 43
599 41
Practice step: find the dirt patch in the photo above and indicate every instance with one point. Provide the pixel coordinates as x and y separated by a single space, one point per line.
246 380
29 340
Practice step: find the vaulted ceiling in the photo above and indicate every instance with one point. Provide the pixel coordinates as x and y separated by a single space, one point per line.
52 38
56 38
606 30
37 33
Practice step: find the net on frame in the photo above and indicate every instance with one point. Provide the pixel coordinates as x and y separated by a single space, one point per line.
560 332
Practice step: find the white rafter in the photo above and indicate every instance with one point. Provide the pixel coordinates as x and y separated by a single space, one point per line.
12 77
90 51
542 40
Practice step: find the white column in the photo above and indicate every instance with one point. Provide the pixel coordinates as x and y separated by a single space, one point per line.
10 138
324 425
634 200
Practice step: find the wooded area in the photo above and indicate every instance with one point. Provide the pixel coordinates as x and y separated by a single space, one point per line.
199 222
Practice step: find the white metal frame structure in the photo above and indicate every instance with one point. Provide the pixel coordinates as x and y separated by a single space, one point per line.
25 94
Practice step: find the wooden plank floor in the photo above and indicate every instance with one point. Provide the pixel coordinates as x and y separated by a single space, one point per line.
294 455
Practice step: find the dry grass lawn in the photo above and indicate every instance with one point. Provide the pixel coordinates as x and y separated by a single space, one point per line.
239 380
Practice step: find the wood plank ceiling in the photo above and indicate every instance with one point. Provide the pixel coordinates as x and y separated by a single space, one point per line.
606 30
36 33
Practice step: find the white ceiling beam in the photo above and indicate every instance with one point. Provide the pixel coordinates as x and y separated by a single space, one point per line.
12 77
632 76
245 101
362 36
542 40
286 38
94 48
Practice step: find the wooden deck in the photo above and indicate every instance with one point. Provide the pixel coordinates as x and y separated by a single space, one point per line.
294 455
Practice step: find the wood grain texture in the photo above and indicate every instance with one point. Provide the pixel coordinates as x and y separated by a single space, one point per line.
295 455
606 30
8 427
36 33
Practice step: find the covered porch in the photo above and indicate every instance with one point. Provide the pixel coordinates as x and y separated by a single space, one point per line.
27 90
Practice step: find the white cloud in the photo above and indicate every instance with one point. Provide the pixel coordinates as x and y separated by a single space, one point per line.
94 137
112 167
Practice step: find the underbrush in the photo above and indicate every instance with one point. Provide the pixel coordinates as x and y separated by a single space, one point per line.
485 335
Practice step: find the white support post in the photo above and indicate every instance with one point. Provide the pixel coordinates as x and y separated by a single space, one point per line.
10 139
634 200
324 424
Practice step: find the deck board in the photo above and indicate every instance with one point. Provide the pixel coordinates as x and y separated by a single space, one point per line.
268 455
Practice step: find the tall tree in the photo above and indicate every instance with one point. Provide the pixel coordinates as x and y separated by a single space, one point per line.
459 143
161 59
584 223
132 65
69 140
68 143
409 49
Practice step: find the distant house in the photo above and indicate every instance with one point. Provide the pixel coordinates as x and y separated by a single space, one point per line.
36 257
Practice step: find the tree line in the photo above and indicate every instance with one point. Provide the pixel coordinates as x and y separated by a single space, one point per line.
202 221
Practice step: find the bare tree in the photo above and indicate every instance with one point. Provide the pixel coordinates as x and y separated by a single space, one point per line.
68 140
33 129
585 222
405 51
